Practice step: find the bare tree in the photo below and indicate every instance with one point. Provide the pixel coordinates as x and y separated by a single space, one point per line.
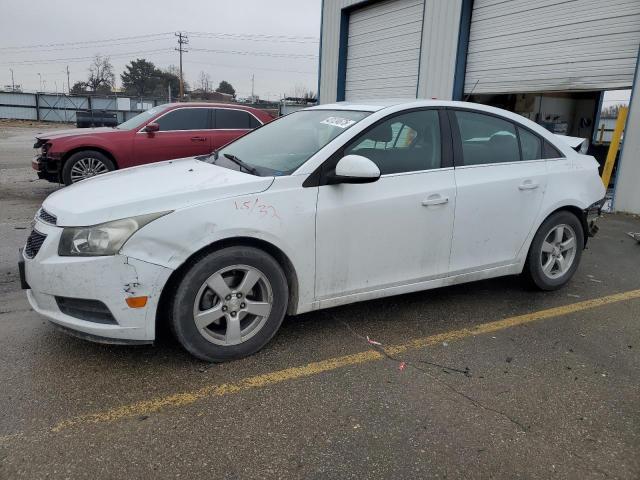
302 91
101 76
205 82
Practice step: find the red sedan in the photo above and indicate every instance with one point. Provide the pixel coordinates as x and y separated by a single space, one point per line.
165 132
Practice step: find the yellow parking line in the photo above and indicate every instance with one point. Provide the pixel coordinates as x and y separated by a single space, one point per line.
186 398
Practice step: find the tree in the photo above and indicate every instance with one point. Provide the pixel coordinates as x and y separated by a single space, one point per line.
168 79
303 92
205 82
101 78
79 88
225 87
140 78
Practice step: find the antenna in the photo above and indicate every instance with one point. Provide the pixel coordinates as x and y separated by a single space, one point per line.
472 90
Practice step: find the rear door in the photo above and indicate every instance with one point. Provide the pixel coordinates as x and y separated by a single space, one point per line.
184 132
230 124
500 180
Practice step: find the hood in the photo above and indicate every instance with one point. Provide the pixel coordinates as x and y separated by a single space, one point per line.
156 187
52 135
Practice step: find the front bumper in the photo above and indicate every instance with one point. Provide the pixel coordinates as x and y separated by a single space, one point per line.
108 279
47 168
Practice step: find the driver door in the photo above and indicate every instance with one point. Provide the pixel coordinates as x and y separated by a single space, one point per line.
184 132
398 229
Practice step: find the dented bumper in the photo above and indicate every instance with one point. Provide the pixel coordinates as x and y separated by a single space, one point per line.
66 290
591 216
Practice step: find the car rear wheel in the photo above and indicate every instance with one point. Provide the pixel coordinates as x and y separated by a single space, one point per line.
555 252
229 304
85 164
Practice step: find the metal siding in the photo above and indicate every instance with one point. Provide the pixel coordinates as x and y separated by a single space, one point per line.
20 113
439 44
383 50
524 46
26 99
331 15
439 47
627 193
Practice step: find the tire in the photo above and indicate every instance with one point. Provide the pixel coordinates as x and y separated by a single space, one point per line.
552 261
217 321
89 161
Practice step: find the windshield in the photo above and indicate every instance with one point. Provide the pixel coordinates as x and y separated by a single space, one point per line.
280 147
141 118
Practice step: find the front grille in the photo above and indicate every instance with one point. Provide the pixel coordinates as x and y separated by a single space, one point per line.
47 217
89 310
34 242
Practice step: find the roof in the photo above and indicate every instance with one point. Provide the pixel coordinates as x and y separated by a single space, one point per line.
378 104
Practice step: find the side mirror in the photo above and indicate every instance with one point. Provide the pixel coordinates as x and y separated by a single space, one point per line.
152 127
355 169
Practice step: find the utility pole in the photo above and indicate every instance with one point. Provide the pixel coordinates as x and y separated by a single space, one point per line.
182 40
68 82
13 84
253 98
40 78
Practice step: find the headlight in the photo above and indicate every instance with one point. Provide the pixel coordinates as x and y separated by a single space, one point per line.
103 239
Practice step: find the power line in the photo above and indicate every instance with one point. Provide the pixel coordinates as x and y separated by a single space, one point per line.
80 59
239 67
84 42
218 35
259 54
256 37
77 47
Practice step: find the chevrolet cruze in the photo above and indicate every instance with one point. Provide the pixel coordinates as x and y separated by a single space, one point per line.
327 206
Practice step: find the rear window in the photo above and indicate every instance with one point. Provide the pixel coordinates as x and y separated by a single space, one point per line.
549 151
184 119
487 139
530 144
228 119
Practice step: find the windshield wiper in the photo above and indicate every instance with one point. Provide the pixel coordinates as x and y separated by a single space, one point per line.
241 164
213 154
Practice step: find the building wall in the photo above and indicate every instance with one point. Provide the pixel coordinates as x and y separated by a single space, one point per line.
552 45
627 193
438 47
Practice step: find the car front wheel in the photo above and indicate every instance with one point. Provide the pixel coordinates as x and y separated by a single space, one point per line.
229 304
85 164
555 252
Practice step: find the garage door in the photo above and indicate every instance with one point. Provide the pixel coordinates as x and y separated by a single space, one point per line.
525 46
383 50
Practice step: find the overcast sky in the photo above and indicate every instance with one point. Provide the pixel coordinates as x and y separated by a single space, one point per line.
288 30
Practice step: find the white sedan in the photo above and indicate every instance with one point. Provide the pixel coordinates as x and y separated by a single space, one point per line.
327 206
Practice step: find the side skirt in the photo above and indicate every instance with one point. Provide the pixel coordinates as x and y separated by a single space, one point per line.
512 269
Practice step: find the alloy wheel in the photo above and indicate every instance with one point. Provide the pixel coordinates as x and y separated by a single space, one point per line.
233 305
558 251
86 168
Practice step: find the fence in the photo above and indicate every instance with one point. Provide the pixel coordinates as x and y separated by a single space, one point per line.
62 108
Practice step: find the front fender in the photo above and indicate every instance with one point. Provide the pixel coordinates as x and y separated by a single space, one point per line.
283 218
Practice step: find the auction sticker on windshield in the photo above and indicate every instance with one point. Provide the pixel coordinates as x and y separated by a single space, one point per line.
338 122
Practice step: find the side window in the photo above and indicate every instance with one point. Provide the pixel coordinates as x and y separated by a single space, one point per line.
404 143
487 139
232 119
530 145
550 151
253 122
185 119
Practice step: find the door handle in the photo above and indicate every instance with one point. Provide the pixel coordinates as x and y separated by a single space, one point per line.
435 200
528 185
198 139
